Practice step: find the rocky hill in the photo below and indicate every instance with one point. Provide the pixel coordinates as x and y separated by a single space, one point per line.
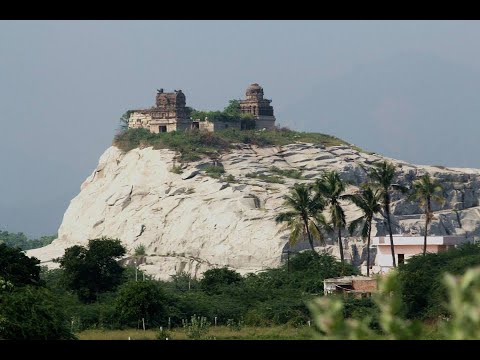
190 221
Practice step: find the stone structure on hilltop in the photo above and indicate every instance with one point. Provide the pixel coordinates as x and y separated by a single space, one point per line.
258 107
170 113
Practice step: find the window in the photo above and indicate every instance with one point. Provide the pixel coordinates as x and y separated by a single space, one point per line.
162 129
401 258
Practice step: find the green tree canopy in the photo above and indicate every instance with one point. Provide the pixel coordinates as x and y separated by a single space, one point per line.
32 313
92 270
426 190
304 214
369 202
140 299
332 189
20 240
214 279
382 176
17 268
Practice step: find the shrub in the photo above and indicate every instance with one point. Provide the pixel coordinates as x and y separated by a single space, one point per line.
163 334
290 173
423 291
176 169
267 178
215 171
230 178
139 300
197 328
17 268
140 250
32 313
214 279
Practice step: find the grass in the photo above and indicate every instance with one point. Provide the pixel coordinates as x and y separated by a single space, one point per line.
290 173
267 178
218 333
193 145
176 169
215 171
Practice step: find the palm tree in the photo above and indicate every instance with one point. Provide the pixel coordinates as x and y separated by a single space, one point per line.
331 188
425 190
382 176
369 200
304 214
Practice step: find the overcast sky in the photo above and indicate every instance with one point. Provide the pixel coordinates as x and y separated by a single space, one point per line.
405 89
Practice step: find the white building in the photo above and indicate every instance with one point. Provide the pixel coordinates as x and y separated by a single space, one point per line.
408 246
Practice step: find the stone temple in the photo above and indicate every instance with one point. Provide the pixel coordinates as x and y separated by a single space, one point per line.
258 107
170 113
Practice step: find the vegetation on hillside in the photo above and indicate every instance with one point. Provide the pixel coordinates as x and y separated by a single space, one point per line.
192 145
20 240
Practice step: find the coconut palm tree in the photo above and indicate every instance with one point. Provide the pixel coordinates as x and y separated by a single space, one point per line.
369 200
304 214
332 188
382 176
425 190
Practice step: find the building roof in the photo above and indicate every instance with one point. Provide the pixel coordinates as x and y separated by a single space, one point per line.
348 279
254 86
418 240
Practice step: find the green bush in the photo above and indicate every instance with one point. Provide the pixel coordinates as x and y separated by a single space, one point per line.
290 173
137 300
423 291
32 313
17 268
140 250
215 171
176 169
197 328
214 279
267 178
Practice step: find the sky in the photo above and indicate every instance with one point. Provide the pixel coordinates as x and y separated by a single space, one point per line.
405 89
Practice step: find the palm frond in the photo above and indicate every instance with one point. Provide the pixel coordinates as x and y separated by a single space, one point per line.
315 231
355 224
296 230
285 216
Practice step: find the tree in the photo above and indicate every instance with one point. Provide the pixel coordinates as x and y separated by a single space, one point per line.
124 119
233 108
304 215
214 279
17 268
382 176
93 270
369 201
425 190
20 240
32 313
332 188
137 300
